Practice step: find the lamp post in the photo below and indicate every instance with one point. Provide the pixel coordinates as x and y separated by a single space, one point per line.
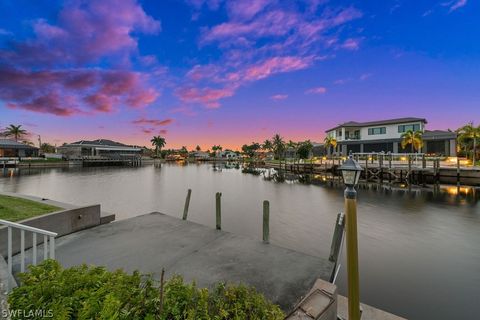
351 171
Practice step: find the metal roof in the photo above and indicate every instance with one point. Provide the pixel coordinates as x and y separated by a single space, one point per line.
378 122
12 144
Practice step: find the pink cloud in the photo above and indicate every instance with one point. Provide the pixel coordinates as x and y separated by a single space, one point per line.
49 103
279 97
207 96
262 38
73 91
245 10
456 4
52 72
276 65
155 122
317 90
351 44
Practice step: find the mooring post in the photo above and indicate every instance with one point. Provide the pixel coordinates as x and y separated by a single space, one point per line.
266 221
409 169
458 171
218 210
187 204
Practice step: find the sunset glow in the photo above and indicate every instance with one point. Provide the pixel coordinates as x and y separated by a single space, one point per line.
205 72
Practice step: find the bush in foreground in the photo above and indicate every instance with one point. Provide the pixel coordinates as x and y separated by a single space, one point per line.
87 292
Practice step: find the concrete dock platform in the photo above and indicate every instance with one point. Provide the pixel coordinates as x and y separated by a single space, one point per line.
154 241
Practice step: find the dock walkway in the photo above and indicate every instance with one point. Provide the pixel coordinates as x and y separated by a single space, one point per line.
154 241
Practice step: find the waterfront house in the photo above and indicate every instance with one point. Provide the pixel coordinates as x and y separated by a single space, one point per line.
385 136
99 148
200 155
14 149
227 154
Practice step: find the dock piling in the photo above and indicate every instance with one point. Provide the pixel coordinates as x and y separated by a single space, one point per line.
187 204
218 210
266 221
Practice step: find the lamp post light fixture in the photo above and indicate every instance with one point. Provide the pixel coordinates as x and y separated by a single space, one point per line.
351 171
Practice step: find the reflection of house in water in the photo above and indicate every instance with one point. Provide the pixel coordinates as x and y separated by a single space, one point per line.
13 149
99 148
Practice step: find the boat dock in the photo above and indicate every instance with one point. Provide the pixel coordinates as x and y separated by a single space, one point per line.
391 168
152 242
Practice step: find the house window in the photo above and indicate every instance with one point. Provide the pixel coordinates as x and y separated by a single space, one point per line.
405 127
339 133
379 130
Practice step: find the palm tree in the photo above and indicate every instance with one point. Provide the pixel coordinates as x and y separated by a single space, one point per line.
158 142
469 132
330 142
278 145
216 148
198 148
267 145
412 138
14 131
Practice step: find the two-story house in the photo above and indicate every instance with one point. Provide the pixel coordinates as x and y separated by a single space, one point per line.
385 135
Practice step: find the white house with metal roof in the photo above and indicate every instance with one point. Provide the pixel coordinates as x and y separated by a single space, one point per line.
99 148
14 149
385 135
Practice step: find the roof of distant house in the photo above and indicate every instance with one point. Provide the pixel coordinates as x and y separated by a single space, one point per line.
378 122
101 142
12 144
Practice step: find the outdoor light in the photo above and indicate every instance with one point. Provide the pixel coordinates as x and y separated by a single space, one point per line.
351 171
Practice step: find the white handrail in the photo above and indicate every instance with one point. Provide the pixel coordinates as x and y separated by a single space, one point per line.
28 228
48 236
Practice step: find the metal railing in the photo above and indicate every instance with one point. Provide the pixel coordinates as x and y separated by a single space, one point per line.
48 241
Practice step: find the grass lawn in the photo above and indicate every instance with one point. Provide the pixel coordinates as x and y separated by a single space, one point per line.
16 209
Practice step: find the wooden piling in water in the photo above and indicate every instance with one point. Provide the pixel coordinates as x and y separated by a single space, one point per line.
458 171
266 221
218 210
187 204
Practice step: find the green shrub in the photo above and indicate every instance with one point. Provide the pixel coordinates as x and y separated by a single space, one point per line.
87 292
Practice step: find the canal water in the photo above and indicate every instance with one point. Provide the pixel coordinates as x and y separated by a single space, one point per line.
419 249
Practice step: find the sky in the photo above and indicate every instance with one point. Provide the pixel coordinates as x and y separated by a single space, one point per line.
205 72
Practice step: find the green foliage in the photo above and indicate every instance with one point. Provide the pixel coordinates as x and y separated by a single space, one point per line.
85 292
304 149
250 149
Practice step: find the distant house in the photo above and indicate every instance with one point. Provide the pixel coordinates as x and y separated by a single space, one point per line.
200 155
99 148
318 149
227 154
385 135
14 149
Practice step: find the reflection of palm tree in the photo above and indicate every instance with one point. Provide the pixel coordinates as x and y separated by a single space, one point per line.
158 142
330 142
278 145
412 138
15 131
466 133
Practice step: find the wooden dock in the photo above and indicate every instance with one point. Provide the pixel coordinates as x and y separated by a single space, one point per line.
398 168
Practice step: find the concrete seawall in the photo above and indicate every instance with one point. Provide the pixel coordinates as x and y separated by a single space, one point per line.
66 221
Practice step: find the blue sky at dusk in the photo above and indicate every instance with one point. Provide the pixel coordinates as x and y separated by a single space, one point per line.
231 72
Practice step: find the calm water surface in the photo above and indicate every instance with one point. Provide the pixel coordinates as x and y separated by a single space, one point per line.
419 250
